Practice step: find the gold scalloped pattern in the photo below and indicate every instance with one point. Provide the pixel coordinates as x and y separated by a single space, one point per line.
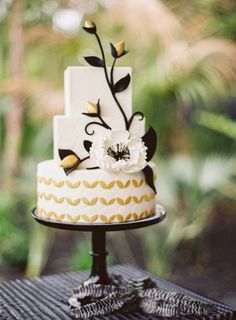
92 185
105 185
72 185
107 202
136 183
50 196
92 219
124 202
73 202
92 202
122 185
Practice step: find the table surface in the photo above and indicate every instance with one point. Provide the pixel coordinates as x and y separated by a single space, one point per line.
46 297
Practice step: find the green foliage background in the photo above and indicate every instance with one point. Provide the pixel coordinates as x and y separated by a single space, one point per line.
184 75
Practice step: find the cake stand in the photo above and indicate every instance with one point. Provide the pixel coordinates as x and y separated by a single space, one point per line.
99 272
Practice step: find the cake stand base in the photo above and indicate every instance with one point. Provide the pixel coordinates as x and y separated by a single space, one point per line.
99 272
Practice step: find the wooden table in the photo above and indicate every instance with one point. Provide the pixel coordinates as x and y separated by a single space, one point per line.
45 298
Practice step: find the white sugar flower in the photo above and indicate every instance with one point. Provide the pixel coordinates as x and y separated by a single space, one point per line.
118 151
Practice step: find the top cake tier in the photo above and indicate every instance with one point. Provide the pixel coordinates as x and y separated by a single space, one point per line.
83 84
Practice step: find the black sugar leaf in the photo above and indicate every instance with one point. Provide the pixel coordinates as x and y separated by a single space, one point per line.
94 61
122 84
148 173
113 51
150 141
65 152
87 145
91 115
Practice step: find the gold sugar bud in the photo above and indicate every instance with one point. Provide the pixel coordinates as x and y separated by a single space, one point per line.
120 48
89 24
70 161
92 107
90 27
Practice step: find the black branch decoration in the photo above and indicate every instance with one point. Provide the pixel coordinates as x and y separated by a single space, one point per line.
117 51
138 113
95 112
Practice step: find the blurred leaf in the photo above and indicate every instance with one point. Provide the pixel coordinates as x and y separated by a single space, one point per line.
217 122
188 188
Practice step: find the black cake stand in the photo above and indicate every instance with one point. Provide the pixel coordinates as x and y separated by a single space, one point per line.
99 272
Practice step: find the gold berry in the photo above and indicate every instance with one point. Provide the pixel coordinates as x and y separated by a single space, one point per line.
92 107
69 162
120 48
89 24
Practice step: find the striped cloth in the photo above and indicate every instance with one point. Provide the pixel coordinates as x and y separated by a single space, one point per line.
46 298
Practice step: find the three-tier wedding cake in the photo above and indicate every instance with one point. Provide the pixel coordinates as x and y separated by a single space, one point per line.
101 171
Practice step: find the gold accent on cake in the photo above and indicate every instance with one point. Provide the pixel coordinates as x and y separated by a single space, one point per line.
111 218
105 185
107 202
92 107
119 217
44 180
73 202
92 202
122 185
58 200
50 197
103 218
72 185
136 183
120 48
91 185
89 24
59 217
70 161
137 200
128 217
124 202
135 216
59 184
73 219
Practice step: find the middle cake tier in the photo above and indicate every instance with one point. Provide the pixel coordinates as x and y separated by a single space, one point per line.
92 196
69 133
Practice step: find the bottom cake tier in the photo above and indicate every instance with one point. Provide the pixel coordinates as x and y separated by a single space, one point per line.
92 196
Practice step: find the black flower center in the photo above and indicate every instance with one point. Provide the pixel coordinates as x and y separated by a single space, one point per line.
119 151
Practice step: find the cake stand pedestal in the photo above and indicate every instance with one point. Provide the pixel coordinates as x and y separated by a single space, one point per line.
99 272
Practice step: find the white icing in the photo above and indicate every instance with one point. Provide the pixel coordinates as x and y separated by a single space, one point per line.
83 84
118 151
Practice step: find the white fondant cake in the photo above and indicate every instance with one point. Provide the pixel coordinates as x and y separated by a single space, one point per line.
100 172
83 84
92 196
